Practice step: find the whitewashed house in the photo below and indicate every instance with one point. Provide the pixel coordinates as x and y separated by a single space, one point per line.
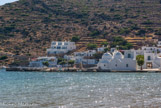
84 57
88 53
101 49
117 62
59 47
39 62
152 60
151 49
89 61
69 57
152 57
159 44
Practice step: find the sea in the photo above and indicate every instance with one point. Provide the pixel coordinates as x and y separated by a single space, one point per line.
79 90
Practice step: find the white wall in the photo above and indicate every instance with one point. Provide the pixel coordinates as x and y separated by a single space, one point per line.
58 47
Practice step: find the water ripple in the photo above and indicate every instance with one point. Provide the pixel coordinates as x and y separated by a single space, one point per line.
80 90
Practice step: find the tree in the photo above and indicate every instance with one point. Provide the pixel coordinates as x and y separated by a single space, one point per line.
140 60
46 63
104 43
141 32
60 60
91 46
75 39
106 49
98 55
3 57
62 63
121 42
94 33
71 62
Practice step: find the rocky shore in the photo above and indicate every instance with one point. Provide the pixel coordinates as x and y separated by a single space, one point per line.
27 69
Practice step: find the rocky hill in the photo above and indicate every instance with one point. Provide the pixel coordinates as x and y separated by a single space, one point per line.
27 27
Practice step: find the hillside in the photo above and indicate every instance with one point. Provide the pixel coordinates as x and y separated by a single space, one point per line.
27 27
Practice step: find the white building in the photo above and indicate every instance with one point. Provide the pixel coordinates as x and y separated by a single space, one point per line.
59 47
152 60
88 53
39 62
113 49
84 57
89 61
151 49
152 57
101 49
69 57
159 44
117 62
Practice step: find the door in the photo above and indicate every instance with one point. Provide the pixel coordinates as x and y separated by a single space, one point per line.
149 65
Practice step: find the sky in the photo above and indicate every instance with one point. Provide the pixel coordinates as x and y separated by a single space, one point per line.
2 2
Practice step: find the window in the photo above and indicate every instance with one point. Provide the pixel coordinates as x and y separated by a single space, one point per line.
64 47
149 58
58 47
53 47
127 65
129 55
116 65
60 43
54 43
65 43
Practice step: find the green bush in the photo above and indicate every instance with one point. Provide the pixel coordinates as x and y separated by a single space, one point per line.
124 31
46 63
75 39
9 28
61 60
141 32
158 32
117 17
121 42
91 46
106 49
134 27
98 55
95 33
104 43
71 62
62 63
3 57
147 22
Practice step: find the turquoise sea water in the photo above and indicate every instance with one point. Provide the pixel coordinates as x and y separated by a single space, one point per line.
79 90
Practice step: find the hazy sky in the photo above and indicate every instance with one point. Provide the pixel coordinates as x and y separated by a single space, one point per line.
2 2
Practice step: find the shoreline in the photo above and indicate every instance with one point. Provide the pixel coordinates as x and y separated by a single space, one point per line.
27 69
